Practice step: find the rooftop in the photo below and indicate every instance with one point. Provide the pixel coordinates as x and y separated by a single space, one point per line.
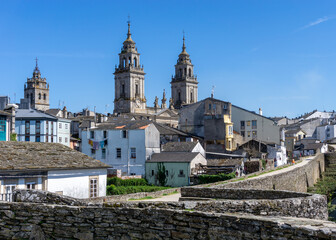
123 124
32 113
43 156
179 146
173 157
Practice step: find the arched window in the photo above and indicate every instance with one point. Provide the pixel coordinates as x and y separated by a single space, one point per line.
189 72
180 72
185 72
124 62
39 96
129 61
179 96
136 89
44 97
31 99
135 62
191 97
122 88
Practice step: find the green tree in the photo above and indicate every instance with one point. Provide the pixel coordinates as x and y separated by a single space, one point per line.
161 174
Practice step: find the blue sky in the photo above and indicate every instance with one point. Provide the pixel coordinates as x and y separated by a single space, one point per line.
277 55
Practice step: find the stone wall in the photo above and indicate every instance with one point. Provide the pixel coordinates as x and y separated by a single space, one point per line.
41 221
297 179
125 197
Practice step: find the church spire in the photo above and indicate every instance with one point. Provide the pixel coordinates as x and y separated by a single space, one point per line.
129 38
184 52
36 67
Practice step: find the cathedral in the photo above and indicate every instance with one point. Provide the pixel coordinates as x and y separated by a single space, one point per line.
129 78
36 92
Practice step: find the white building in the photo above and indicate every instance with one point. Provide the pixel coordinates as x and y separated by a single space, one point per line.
326 132
254 126
50 167
36 126
122 144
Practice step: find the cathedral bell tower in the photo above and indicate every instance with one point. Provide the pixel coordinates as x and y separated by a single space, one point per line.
129 79
36 91
184 89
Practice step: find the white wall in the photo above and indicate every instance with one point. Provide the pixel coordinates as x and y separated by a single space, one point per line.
146 141
63 131
75 183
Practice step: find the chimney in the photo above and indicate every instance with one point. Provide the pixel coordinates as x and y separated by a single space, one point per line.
65 112
260 111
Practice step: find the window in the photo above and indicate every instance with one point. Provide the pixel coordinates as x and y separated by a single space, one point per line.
66 125
214 106
152 172
27 138
103 153
191 97
60 139
254 124
189 72
179 96
38 127
60 125
27 127
93 187
224 106
124 134
136 89
52 128
133 152
242 133
31 185
242 125
122 89
181 173
254 134
124 62
47 131
118 152
105 134
93 151
91 134
66 140
248 123
44 97
230 130
37 139
209 106
248 134
135 62
185 72
39 95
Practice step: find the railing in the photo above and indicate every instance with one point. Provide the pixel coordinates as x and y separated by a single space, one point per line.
8 197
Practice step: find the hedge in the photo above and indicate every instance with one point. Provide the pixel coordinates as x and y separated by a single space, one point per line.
215 178
126 182
119 190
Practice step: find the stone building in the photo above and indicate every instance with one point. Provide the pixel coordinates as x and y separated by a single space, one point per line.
36 91
129 79
210 119
184 89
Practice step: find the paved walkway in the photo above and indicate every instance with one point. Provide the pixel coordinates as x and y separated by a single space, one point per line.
169 198
287 169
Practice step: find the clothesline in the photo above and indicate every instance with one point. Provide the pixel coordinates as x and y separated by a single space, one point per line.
96 144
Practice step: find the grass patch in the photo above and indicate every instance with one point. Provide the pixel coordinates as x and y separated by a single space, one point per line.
167 194
144 198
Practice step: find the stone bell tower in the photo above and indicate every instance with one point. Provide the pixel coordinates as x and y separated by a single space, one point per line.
184 89
129 79
36 91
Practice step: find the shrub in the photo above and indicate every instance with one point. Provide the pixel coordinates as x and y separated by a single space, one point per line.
126 182
114 190
13 137
215 178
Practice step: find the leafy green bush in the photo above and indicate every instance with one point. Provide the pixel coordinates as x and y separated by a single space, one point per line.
126 182
13 137
119 190
216 178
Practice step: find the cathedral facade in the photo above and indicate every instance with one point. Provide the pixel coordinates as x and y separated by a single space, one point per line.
36 91
129 79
